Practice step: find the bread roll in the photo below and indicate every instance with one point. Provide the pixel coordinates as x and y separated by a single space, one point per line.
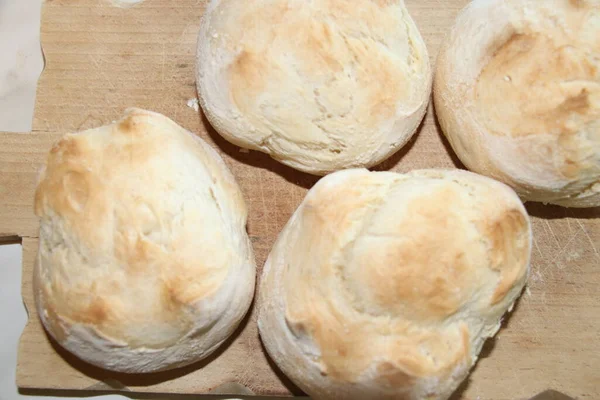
144 263
385 286
319 85
517 93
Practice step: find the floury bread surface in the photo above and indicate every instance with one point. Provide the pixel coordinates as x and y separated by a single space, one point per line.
144 263
517 93
319 85
385 286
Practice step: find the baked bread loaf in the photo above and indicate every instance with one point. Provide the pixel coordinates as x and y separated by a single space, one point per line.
144 263
517 93
319 85
385 286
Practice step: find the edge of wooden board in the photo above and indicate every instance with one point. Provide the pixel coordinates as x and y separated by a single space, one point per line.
554 323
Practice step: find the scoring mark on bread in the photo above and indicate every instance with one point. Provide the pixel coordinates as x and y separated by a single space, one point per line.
173 295
579 103
76 190
389 375
96 313
508 250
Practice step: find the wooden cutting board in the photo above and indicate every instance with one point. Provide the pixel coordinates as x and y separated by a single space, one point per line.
101 59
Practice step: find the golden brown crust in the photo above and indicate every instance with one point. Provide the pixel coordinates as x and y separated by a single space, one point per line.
508 245
142 227
319 85
382 283
522 91
517 93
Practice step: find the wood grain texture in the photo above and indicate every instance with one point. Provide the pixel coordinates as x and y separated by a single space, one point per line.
21 155
101 59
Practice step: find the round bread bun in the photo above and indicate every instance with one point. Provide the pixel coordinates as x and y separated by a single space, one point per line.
385 286
517 94
144 263
319 85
